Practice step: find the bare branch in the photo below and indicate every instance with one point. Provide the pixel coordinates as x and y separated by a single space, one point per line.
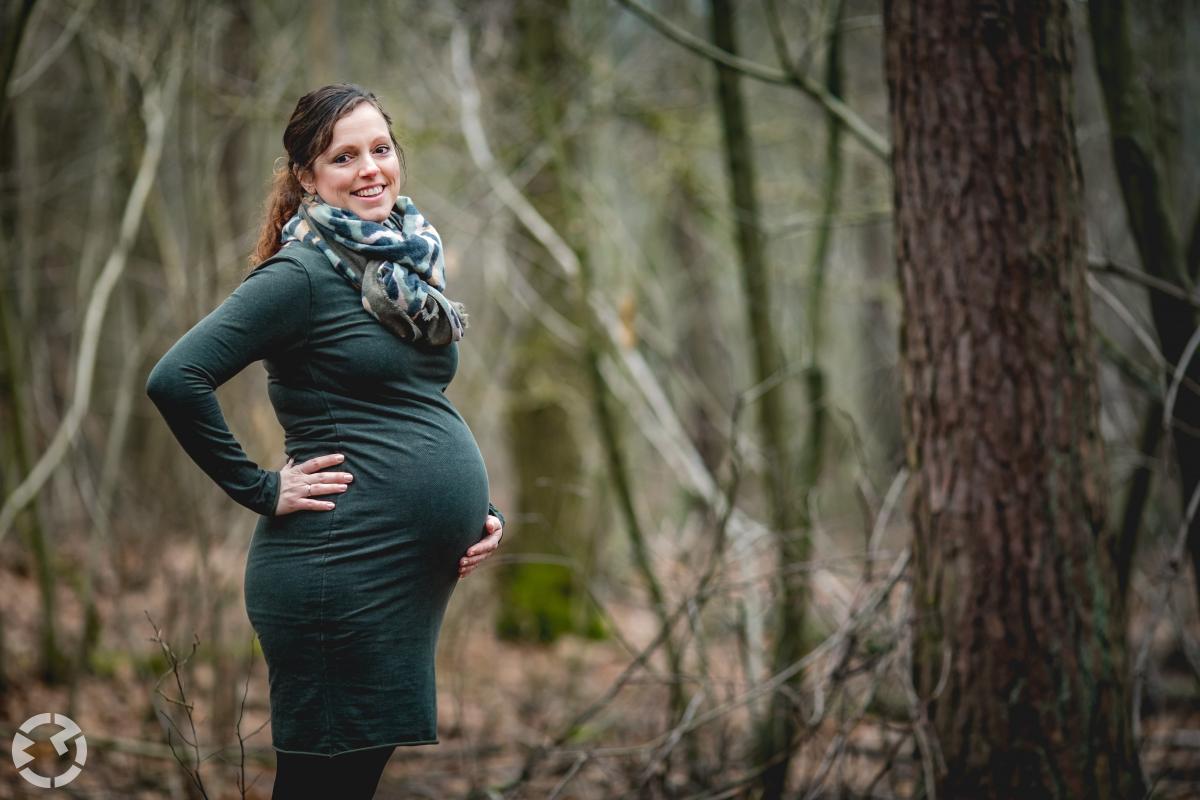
19 83
157 107
176 664
874 141
1144 278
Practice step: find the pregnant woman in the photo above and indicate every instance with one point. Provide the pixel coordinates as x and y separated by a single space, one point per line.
383 504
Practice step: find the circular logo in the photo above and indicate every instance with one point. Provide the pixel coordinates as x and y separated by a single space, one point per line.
21 743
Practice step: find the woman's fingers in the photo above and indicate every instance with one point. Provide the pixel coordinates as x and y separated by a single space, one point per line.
483 548
487 544
321 462
330 477
301 485
468 563
315 489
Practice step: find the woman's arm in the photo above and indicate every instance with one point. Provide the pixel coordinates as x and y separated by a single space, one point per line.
267 315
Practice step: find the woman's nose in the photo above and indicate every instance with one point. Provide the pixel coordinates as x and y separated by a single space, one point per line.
369 167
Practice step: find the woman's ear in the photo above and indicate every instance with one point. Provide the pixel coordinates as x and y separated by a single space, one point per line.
305 178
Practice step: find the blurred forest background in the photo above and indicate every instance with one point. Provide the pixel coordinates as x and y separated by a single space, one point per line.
691 415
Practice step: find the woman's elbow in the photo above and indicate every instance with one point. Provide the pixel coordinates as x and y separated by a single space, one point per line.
164 383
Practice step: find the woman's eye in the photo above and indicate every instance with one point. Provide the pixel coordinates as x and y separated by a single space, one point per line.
383 148
342 159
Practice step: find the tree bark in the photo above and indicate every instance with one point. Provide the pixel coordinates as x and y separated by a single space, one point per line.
1020 655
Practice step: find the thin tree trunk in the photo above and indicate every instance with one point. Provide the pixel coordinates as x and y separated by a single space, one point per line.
1137 493
812 456
1019 648
16 22
17 456
1163 255
700 343
51 664
776 732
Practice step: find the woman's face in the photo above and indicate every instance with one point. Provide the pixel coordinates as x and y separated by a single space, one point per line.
359 171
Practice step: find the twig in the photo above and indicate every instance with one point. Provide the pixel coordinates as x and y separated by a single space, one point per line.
1177 378
1121 310
1143 278
888 761
1190 647
879 527
932 763
841 739
675 737
241 777
578 765
175 664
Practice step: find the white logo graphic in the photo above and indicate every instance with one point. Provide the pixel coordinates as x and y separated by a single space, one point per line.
70 730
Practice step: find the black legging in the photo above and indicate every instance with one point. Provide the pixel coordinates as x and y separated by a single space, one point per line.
349 776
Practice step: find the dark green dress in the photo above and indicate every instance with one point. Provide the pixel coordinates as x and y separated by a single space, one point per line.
347 603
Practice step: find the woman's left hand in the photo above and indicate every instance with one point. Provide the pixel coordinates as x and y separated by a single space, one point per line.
477 552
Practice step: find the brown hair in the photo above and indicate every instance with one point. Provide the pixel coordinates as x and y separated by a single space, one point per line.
308 133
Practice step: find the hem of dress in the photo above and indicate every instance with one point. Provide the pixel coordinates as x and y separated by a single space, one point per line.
357 749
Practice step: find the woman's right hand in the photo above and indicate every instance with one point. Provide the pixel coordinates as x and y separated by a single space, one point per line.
301 484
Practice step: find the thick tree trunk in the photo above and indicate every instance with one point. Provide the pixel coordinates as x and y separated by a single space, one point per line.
1019 652
543 601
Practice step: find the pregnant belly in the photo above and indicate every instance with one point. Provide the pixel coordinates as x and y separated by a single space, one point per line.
413 470
418 500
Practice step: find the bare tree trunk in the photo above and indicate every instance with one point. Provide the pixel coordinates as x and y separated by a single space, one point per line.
16 21
777 731
706 354
544 601
17 455
1145 190
815 385
18 462
1020 656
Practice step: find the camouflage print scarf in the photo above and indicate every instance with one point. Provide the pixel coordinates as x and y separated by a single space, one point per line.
397 265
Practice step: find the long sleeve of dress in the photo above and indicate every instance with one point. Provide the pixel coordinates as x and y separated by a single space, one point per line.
267 315
495 512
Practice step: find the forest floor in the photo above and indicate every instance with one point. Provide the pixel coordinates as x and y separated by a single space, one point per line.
498 702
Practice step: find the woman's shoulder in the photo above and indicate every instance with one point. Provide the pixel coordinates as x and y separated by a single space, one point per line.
295 254
295 263
287 276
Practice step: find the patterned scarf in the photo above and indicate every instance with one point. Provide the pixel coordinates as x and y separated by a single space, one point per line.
396 264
